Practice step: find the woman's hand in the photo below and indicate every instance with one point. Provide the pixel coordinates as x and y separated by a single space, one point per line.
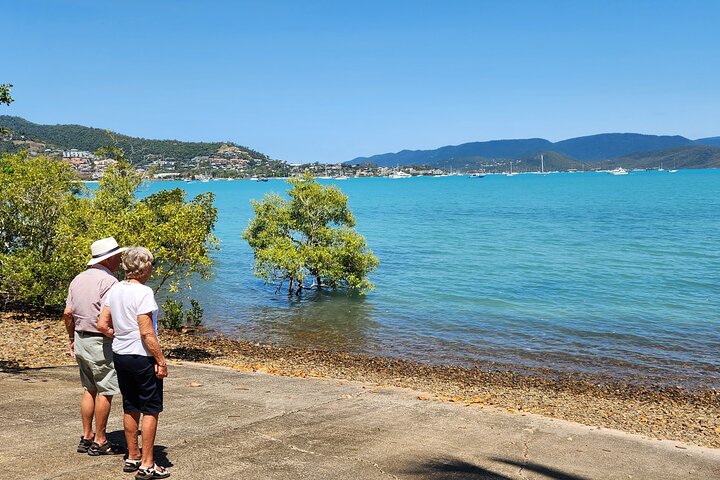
161 370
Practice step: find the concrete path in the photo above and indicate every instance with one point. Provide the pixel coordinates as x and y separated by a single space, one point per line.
220 423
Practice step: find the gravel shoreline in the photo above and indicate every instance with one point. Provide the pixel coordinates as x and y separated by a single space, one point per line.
37 341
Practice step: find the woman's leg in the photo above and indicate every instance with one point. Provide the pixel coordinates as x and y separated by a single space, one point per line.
149 428
130 423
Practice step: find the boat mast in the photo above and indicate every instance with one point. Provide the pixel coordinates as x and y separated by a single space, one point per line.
542 163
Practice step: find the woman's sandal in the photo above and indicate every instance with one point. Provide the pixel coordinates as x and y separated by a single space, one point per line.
106 448
85 444
131 465
150 473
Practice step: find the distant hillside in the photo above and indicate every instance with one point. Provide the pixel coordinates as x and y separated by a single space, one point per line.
486 150
610 145
712 141
90 139
572 153
552 161
693 156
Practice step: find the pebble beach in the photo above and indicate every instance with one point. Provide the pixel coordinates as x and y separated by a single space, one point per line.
38 340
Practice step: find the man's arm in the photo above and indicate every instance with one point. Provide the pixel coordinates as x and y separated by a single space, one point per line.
69 319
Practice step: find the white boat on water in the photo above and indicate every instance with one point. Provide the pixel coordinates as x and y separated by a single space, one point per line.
342 177
477 175
400 174
618 171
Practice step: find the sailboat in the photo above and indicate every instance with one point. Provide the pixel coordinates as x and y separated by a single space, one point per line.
326 176
510 174
399 173
542 165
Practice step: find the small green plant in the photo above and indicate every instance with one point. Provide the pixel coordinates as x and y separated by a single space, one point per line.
175 317
195 315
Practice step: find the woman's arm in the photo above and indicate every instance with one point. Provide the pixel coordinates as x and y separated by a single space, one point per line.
104 323
147 333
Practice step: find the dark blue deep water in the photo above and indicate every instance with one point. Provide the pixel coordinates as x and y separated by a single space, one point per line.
583 272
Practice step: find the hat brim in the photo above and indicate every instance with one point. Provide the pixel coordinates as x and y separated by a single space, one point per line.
97 260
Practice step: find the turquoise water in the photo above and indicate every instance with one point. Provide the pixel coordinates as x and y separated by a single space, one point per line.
584 272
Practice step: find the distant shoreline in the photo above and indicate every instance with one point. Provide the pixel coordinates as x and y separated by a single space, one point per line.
36 341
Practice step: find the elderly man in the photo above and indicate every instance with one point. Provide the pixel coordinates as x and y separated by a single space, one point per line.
91 349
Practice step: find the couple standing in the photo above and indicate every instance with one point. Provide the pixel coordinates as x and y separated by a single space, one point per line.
113 336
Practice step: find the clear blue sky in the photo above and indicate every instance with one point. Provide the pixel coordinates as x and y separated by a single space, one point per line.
332 80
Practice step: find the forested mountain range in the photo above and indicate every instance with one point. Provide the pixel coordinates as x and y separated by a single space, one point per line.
590 152
629 150
90 139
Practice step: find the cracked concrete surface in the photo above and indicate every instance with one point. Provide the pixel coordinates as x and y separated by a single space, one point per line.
221 423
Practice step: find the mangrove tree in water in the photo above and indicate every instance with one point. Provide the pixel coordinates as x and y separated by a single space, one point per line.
309 240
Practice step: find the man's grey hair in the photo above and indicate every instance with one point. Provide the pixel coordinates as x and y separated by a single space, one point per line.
137 261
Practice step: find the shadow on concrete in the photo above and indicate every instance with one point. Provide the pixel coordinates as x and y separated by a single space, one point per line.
117 437
541 469
160 456
453 468
159 452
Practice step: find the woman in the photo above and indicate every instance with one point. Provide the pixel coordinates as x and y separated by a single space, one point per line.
130 317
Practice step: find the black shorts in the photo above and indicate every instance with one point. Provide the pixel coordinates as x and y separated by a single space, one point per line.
141 390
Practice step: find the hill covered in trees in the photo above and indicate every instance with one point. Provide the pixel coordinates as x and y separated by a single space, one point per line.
630 150
90 139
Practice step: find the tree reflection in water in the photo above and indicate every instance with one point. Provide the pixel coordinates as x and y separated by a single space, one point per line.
324 320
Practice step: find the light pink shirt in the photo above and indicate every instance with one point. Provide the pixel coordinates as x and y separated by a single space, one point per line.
86 296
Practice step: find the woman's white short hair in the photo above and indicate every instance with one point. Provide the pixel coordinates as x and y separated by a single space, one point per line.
137 261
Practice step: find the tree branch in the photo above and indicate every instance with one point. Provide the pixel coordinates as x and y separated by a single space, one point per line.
167 274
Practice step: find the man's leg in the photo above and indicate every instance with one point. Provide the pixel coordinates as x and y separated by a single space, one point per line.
149 428
102 412
87 410
130 424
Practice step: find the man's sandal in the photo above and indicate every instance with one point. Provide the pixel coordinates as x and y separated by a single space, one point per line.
106 448
150 473
84 444
131 465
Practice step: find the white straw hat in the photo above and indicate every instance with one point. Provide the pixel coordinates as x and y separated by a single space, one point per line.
104 248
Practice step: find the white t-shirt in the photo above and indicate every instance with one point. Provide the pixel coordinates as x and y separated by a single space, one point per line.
126 301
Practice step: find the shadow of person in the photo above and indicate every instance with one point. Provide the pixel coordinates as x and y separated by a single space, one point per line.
159 451
118 438
160 455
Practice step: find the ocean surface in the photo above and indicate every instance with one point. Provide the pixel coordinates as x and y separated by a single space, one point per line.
578 272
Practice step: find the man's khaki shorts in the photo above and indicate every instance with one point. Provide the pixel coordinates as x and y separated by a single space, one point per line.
95 359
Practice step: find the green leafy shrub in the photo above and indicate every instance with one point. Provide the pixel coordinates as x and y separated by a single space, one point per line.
175 317
48 220
309 240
